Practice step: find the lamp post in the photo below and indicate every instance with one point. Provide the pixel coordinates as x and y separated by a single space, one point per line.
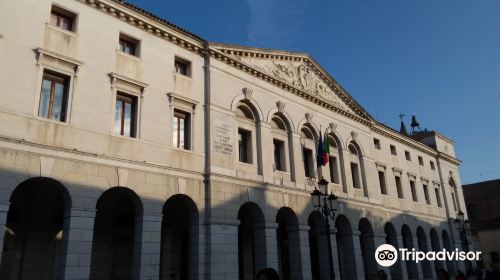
323 203
463 227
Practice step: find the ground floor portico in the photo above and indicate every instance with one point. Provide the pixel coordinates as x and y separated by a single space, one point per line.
65 218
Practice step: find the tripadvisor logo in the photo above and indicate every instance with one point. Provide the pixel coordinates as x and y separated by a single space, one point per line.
386 255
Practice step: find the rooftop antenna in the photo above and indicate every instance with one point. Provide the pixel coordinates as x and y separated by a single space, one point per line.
402 129
415 126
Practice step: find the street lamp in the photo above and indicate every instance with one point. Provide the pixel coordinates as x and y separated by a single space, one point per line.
323 203
463 227
461 223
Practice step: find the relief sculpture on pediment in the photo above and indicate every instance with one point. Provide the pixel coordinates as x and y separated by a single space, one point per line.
300 75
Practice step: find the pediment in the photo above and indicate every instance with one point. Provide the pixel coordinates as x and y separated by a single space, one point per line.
299 71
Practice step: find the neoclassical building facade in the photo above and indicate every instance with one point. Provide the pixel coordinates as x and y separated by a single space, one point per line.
133 149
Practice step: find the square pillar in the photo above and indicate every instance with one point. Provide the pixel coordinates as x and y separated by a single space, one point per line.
269 245
147 247
4 209
335 256
419 265
305 252
433 263
224 250
78 233
358 254
404 270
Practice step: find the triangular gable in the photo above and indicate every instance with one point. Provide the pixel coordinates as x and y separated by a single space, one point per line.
297 70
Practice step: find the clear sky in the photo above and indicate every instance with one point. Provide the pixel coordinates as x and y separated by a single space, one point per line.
439 60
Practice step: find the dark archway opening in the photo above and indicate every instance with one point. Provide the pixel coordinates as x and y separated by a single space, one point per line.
391 237
411 267
251 241
345 248
179 239
366 239
288 240
116 241
34 230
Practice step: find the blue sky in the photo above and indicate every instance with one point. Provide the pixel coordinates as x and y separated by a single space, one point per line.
439 60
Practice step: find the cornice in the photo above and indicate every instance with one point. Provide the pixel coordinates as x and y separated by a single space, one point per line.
226 58
148 22
240 51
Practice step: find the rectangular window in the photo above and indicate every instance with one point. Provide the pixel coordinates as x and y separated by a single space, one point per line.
399 188
432 165
376 143
438 197
355 175
181 130
245 145
308 162
62 18
129 45
393 150
279 155
420 161
125 114
426 194
381 180
53 96
334 170
182 67
454 201
413 191
407 156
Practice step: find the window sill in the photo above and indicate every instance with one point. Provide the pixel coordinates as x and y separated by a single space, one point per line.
185 77
65 123
123 137
67 32
133 57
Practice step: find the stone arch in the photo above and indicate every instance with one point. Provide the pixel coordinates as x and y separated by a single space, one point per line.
117 240
288 240
179 239
435 247
367 242
282 135
411 266
251 241
36 237
240 99
391 237
284 115
422 246
448 246
336 166
345 248
357 167
318 246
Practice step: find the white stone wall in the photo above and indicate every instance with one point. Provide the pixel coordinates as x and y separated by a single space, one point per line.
85 156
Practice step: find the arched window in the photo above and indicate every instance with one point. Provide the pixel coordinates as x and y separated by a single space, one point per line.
246 117
308 137
454 197
355 160
282 149
335 161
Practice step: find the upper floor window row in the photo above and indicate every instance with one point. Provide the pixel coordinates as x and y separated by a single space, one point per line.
64 19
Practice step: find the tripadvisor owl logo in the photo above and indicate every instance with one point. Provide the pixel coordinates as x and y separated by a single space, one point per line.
386 255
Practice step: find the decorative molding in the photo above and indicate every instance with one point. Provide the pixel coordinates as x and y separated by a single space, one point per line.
333 127
149 23
354 135
41 53
281 106
247 92
176 98
309 117
118 78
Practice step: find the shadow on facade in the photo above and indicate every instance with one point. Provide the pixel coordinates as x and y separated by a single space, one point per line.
56 229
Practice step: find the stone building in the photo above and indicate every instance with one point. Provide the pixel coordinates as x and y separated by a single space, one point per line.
482 200
133 149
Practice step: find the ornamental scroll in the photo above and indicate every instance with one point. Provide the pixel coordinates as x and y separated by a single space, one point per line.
299 75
